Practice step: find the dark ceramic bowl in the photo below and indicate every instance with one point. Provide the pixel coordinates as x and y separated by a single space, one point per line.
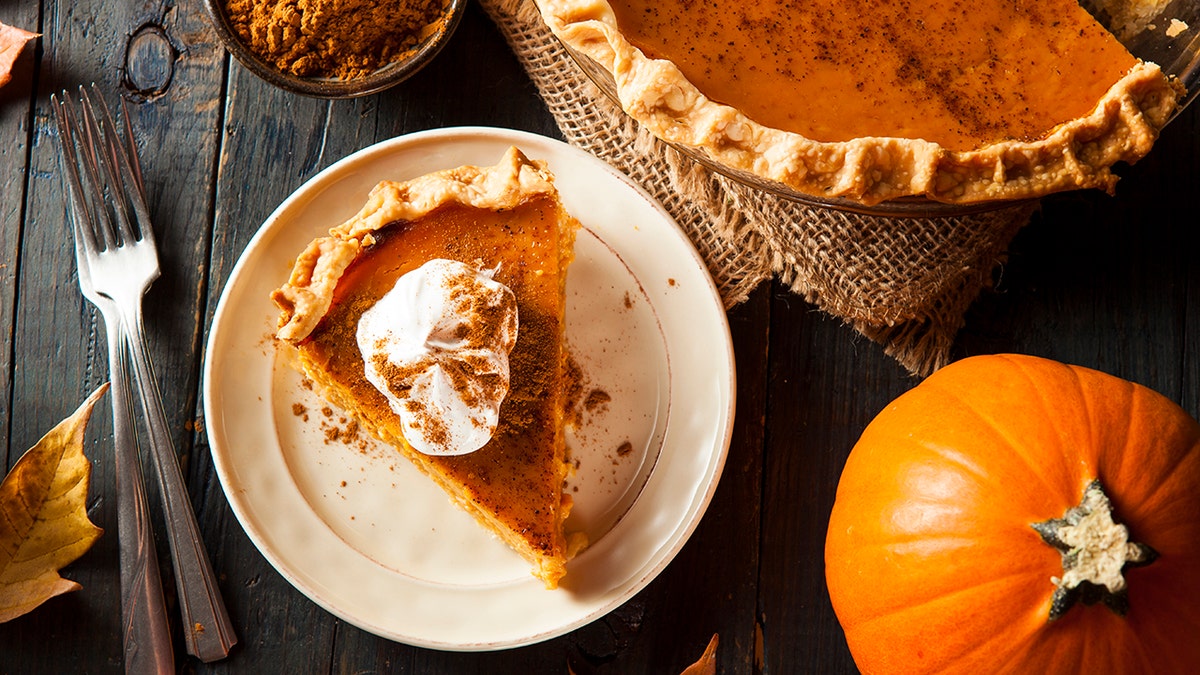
327 87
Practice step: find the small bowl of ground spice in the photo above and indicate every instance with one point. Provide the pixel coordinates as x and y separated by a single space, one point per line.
334 48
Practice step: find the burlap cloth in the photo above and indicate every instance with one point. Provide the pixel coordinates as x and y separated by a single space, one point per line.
903 282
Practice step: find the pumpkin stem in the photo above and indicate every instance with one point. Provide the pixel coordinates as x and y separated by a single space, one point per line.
1095 552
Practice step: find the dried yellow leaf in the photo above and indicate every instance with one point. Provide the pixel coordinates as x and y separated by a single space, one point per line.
43 516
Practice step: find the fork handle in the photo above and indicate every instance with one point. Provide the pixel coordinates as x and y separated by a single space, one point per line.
207 629
147 638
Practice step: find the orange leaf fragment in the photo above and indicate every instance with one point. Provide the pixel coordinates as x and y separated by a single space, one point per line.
12 41
707 665
43 516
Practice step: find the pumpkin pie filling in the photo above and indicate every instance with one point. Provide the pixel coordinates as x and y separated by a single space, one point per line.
960 102
857 69
513 485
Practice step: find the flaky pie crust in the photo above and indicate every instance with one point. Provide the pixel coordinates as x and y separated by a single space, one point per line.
308 293
1078 154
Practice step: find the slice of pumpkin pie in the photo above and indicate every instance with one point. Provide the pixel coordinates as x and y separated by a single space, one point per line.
874 100
435 316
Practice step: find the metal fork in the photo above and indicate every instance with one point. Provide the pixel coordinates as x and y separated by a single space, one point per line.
147 640
121 259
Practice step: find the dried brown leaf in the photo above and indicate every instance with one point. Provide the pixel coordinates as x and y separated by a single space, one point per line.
12 41
43 516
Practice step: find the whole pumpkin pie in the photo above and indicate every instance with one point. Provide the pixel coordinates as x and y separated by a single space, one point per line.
958 102
435 316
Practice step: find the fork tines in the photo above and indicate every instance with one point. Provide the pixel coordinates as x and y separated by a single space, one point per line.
103 170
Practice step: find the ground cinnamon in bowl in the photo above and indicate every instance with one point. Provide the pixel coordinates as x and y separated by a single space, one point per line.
334 48
338 39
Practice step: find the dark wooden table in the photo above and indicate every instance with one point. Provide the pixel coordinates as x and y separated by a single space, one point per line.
1107 282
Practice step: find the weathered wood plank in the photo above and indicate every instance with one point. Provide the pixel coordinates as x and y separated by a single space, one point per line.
476 80
58 357
15 134
270 143
41 326
1184 136
826 384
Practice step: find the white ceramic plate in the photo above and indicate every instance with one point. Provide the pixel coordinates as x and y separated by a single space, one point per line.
355 527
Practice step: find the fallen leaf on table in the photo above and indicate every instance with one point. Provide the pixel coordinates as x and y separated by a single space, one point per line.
12 41
43 516
707 665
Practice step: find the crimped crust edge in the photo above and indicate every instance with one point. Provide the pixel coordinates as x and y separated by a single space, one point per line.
1078 154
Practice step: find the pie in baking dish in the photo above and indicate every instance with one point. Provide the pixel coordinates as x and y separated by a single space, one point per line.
871 101
435 316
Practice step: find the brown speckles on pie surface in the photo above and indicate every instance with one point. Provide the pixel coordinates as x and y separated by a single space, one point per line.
961 102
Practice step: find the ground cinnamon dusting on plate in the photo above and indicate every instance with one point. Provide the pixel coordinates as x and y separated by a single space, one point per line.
345 431
341 39
573 385
596 398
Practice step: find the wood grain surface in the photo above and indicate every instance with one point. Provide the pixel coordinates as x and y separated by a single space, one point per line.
1111 283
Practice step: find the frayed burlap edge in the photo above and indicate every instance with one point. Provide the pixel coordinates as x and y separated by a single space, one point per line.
903 282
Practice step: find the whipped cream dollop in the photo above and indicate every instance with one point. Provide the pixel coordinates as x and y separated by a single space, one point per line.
437 345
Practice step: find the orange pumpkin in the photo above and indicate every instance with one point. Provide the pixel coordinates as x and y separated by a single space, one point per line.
971 532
